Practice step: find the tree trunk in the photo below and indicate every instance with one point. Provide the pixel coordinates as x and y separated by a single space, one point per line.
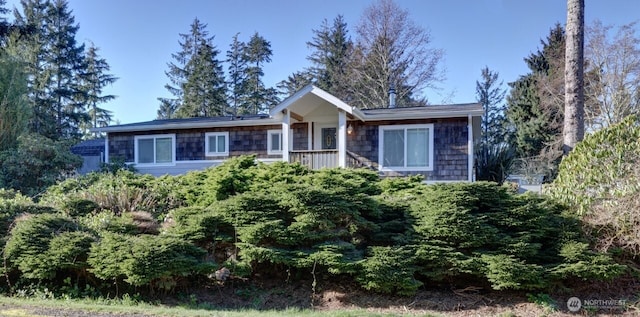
573 131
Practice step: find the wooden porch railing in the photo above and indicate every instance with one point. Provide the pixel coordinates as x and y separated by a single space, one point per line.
316 159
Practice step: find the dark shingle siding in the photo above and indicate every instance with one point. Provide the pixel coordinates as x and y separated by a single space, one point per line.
89 148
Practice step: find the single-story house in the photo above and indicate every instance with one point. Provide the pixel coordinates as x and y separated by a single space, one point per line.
316 129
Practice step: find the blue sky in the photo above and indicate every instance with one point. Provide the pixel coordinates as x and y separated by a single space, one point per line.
137 37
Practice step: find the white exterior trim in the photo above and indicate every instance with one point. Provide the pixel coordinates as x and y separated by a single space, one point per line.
381 129
342 139
136 155
311 89
286 136
208 135
270 151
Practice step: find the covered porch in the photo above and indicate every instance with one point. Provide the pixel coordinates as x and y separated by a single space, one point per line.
315 126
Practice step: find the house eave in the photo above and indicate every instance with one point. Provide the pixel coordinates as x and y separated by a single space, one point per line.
422 115
188 125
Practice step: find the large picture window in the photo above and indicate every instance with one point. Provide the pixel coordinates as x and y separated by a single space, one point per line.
217 143
406 147
155 149
274 142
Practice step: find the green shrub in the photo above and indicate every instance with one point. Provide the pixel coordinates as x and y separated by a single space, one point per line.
600 182
508 272
582 262
121 192
389 270
154 261
488 231
40 246
199 225
36 163
108 221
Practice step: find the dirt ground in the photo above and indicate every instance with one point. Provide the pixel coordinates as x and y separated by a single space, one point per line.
446 301
440 301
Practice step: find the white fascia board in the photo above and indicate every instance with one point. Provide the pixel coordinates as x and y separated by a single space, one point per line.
421 115
291 99
189 125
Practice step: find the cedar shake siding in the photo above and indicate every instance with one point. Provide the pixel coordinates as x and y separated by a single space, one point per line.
190 143
450 147
121 147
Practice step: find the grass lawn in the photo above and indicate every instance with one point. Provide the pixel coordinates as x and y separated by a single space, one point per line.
11 306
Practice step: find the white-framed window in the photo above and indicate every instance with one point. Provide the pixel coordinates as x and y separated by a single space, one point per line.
274 141
406 147
216 144
159 149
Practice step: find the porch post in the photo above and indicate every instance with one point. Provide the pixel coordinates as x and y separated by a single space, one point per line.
471 153
342 138
285 136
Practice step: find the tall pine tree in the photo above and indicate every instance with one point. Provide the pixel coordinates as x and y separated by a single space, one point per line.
204 92
94 79
66 63
535 106
494 156
190 79
332 49
258 98
237 76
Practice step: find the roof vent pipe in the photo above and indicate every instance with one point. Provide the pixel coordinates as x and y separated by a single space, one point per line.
392 97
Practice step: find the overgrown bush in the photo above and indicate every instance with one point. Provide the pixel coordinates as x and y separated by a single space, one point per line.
40 246
121 192
485 230
390 235
600 182
156 261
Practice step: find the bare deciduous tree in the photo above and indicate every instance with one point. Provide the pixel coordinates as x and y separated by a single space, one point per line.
613 74
392 51
573 131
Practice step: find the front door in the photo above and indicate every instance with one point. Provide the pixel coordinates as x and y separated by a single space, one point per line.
328 138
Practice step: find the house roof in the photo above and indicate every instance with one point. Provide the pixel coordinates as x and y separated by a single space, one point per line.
302 101
191 123
425 112
88 147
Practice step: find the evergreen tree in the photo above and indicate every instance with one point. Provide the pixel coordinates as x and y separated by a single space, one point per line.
491 95
237 73
14 107
178 74
259 98
535 106
66 62
494 156
93 80
54 63
294 82
332 49
204 92
34 48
